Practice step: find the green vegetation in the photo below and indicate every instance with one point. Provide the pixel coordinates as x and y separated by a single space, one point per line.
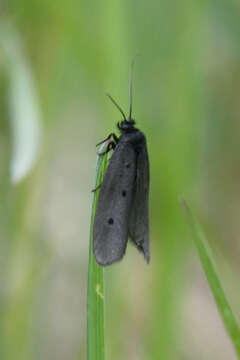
95 296
209 268
57 61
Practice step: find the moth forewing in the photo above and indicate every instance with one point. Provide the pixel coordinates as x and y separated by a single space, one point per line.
111 224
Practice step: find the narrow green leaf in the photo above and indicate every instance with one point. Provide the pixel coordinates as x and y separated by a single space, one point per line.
209 268
95 296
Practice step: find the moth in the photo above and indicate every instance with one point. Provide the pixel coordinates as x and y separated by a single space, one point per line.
123 204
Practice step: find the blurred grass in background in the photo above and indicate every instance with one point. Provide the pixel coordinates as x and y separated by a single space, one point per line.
57 60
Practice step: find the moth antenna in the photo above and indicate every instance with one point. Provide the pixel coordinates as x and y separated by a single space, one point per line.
116 104
131 86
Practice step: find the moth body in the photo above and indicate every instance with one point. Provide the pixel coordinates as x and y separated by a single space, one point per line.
122 210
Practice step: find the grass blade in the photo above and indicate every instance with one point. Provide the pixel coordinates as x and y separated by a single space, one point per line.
95 296
208 265
24 108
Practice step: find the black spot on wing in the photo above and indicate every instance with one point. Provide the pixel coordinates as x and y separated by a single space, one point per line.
124 193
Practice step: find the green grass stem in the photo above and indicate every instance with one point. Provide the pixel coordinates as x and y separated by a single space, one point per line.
95 295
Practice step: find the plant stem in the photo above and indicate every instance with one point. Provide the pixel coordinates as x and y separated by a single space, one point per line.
95 295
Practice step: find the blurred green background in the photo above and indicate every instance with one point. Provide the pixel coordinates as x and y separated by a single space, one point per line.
57 61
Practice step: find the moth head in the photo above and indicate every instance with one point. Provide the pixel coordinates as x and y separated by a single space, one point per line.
126 125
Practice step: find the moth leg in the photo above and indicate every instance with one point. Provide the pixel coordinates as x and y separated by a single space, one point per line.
108 138
110 146
115 138
96 188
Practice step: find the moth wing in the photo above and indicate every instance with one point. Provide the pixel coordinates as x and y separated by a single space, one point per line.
139 219
111 224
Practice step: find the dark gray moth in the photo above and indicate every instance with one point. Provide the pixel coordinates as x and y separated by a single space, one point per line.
122 210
